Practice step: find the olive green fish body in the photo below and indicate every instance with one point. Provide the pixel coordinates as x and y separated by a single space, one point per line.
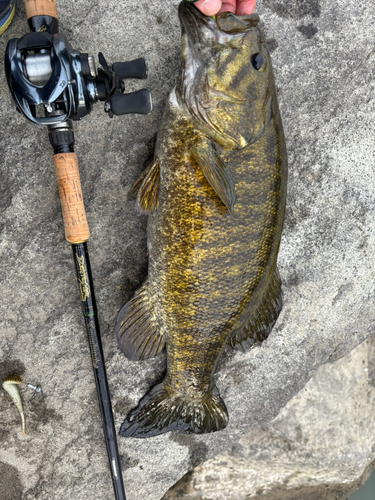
217 189
206 264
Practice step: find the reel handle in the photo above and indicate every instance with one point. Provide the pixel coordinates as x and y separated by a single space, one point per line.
131 69
40 8
135 102
73 209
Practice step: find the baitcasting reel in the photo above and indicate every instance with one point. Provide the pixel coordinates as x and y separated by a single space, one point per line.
51 83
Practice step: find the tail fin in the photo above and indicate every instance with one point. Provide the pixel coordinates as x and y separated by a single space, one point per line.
158 413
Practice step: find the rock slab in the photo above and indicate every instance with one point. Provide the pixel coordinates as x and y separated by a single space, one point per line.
321 446
322 52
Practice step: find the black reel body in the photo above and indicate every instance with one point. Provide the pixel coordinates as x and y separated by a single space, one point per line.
43 70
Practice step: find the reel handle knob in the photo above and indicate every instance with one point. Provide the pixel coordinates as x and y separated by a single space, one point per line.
134 102
131 69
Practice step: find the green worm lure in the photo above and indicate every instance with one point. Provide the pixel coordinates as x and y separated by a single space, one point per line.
10 384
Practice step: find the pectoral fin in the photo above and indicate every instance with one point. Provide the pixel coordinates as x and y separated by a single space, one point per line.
216 173
148 188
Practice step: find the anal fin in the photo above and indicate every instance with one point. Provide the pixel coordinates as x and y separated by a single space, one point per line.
255 326
136 335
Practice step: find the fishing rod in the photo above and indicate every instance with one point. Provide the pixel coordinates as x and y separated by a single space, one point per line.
53 85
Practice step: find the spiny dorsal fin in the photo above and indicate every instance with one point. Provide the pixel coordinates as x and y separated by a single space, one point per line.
148 188
216 173
136 335
256 326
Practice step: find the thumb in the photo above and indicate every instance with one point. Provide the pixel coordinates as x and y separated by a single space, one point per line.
208 7
245 7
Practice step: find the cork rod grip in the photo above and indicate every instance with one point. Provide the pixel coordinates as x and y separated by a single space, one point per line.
74 215
40 8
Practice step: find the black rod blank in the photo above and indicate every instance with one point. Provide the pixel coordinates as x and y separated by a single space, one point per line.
86 291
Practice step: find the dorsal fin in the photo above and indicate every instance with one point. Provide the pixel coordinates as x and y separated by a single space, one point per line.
148 188
256 326
136 335
216 173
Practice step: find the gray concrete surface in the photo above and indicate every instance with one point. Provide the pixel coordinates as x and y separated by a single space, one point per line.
323 54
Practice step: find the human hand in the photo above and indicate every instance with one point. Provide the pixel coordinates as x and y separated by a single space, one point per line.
213 7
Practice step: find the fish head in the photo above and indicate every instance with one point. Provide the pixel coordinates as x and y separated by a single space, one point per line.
226 80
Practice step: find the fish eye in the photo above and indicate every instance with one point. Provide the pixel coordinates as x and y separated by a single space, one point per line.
259 62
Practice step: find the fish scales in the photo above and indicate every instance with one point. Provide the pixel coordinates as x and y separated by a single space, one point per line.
213 235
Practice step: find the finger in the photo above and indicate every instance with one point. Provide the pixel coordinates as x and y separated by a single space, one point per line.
208 7
228 6
245 7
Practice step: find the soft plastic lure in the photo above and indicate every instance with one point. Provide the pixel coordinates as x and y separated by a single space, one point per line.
10 384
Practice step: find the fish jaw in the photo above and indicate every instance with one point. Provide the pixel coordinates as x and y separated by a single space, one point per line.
207 32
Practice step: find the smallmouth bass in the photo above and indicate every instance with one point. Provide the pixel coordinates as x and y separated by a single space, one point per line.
216 194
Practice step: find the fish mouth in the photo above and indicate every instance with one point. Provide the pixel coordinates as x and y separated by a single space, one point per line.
194 23
203 29
201 35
